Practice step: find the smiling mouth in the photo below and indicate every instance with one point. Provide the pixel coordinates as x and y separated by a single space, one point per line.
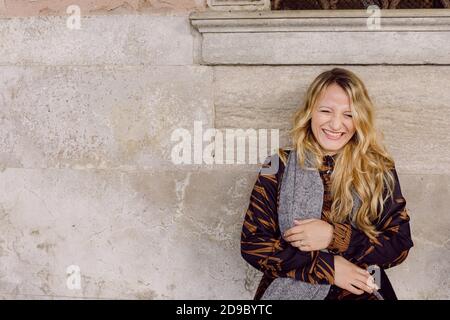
332 135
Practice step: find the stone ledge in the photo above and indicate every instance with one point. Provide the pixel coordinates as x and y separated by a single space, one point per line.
404 37
238 5
316 20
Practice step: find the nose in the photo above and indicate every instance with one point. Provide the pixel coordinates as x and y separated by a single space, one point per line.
336 123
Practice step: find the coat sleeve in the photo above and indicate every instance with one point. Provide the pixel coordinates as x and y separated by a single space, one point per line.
263 247
392 245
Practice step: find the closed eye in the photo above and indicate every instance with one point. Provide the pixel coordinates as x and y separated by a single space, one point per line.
347 115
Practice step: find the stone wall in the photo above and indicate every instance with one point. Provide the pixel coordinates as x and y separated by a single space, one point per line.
86 180
23 8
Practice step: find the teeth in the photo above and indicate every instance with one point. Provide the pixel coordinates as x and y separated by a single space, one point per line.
333 134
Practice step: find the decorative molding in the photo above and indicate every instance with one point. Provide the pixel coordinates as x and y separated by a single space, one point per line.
382 4
405 36
317 20
238 5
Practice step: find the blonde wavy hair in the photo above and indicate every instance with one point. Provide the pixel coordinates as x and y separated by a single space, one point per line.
363 164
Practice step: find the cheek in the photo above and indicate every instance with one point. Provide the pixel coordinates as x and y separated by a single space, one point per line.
351 132
350 125
318 120
315 126
313 123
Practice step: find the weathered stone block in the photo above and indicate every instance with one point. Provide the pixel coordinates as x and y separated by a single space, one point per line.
99 116
101 40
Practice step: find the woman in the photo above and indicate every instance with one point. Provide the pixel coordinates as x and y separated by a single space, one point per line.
333 208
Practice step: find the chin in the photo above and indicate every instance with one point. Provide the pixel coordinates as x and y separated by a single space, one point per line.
332 148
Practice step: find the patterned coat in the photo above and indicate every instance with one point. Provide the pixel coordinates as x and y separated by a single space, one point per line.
263 247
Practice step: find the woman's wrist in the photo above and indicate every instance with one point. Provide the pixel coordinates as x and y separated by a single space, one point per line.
331 236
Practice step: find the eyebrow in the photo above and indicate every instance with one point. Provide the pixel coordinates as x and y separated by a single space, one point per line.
332 108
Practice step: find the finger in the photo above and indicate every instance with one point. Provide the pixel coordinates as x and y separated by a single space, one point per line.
362 271
305 221
364 282
301 245
354 290
365 279
362 285
294 237
292 233
296 244
293 230
305 248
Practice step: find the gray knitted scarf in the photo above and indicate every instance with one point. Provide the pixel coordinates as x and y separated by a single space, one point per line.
301 197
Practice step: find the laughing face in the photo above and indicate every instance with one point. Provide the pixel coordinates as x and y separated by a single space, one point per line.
332 123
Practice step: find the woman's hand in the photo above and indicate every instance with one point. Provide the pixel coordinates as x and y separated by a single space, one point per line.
310 234
352 278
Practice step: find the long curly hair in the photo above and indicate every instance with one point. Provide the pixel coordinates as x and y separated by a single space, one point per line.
363 164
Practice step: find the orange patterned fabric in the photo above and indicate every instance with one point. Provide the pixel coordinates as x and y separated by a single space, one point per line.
341 237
